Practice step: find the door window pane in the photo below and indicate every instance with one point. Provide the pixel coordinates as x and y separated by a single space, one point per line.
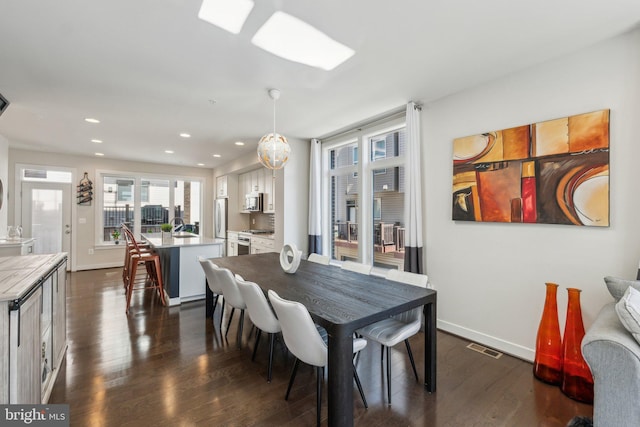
344 217
344 156
388 201
154 206
46 221
117 201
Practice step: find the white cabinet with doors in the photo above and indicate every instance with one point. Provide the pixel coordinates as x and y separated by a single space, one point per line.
232 243
261 245
33 327
222 187
21 246
242 192
269 197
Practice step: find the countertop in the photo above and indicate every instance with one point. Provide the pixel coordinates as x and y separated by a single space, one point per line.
15 242
180 239
264 236
19 273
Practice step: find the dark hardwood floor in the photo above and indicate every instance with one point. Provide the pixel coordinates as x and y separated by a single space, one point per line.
164 366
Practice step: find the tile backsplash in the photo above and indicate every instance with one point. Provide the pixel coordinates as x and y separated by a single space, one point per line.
263 221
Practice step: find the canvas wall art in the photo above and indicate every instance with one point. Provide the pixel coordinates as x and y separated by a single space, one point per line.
552 172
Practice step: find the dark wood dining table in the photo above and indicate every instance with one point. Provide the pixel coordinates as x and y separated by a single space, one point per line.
341 301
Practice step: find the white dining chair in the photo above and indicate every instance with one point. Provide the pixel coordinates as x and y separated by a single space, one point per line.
232 296
397 328
261 315
305 342
215 287
319 259
357 267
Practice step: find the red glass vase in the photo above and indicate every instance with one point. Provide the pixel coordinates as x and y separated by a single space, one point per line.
547 365
577 382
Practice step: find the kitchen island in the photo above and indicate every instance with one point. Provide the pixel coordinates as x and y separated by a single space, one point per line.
182 274
33 330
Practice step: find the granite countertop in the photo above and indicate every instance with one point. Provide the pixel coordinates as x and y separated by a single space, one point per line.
15 242
180 239
18 274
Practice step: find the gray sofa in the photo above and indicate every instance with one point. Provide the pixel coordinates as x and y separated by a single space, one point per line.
614 358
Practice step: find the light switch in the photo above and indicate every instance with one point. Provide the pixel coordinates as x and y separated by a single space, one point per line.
82 220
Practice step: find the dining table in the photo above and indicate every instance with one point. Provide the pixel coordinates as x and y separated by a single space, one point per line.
341 301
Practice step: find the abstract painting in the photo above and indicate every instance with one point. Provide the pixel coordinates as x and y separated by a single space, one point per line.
552 172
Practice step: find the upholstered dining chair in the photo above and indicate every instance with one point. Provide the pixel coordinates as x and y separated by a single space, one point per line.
261 315
397 328
319 259
232 296
304 340
214 286
357 267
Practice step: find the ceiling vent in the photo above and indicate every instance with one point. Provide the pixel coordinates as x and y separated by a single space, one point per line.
4 103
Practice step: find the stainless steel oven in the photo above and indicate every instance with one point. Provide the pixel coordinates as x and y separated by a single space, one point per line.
244 242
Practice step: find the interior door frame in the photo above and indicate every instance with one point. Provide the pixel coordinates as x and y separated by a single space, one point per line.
17 216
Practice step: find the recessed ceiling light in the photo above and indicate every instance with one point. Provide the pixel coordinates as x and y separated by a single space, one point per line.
185 135
239 143
91 120
217 155
226 14
168 151
290 38
200 164
99 154
97 141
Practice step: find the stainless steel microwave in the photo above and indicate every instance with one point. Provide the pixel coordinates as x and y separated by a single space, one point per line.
253 202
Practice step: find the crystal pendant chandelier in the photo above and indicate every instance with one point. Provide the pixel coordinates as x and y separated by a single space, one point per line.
273 148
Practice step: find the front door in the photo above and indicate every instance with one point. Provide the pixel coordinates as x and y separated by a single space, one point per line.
46 216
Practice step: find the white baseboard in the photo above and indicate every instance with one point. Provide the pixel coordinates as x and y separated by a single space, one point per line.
516 350
98 266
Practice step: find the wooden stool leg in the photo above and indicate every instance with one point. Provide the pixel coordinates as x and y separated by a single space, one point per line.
159 279
132 276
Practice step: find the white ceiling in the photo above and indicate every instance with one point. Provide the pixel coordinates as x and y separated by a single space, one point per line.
149 69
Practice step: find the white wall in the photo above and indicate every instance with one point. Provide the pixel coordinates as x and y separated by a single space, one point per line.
490 277
4 175
83 234
293 209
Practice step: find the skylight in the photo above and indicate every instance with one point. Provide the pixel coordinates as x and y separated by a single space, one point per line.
290 38
226 14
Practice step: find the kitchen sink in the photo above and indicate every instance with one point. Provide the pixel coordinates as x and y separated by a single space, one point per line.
184 235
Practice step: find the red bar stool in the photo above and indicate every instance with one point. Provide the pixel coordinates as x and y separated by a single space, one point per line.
153 277
129 247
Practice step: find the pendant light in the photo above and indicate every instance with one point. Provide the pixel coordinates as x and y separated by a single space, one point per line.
273 148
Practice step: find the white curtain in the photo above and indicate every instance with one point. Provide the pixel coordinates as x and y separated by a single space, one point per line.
315 197
413 193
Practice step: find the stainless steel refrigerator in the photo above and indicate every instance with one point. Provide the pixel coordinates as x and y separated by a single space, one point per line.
220 218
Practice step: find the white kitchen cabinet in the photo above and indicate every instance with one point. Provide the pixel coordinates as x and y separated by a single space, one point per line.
32 326
60 313
242 192
269 197
232 244
25 351
222 187
22 246
260 245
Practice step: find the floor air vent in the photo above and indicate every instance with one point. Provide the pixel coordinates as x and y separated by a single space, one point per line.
484 350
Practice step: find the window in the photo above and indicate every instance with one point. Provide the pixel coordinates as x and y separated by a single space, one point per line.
365 217
144 203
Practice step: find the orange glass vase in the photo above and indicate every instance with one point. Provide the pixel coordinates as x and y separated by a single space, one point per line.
577 382
547 365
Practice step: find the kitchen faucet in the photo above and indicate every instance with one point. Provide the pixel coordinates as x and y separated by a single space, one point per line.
175 220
